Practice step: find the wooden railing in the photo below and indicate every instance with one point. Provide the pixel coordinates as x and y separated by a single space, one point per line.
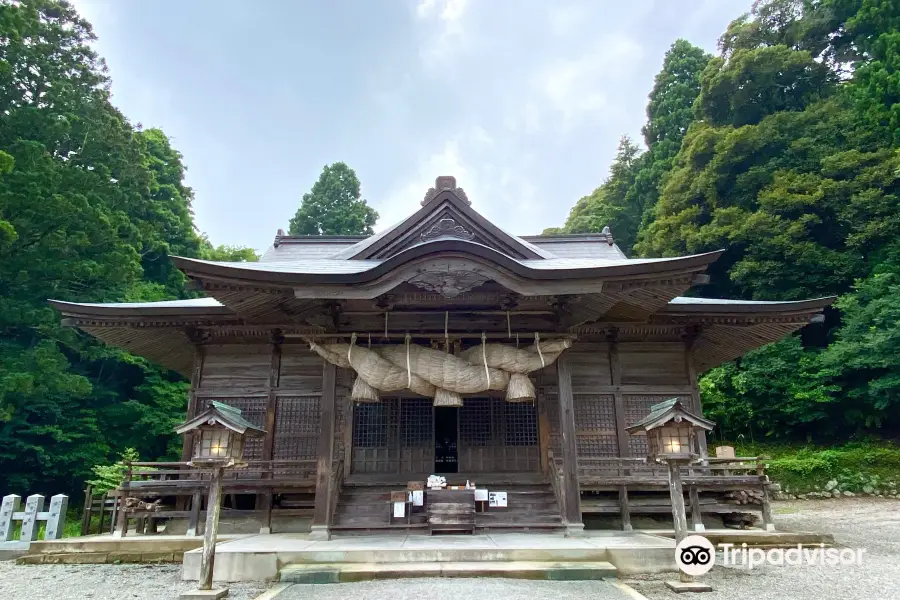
557 482
175 478
593 472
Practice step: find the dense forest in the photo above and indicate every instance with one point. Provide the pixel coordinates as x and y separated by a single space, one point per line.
783 149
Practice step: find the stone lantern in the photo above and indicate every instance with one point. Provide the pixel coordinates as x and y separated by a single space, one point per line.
219 434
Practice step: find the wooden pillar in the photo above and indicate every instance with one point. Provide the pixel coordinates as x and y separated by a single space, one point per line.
696 513
121 521
768 521
676 493
192 408
207 559
543 431
569 449
624 509
194 517
264 500
325 453
615 376
695 397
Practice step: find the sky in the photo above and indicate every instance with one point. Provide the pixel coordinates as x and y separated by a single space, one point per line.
523 101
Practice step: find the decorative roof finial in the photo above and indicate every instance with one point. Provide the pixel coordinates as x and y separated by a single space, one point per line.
278 235
608 234
445 183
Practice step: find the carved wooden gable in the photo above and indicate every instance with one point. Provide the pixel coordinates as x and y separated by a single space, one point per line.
446 214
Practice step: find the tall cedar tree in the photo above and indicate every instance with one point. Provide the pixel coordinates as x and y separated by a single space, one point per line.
90 210
334 206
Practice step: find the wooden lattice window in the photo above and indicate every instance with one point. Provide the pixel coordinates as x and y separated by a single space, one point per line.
375 424
520 423
296 427
595 425
475 422
416 422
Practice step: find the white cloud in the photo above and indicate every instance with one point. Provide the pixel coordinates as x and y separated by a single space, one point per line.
583 87
444 32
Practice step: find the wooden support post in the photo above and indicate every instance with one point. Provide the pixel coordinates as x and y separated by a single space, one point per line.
696 513
676 493
615 377
194 517
86 511
187 445
624 509
569 450
543 433
121 529
695 397
208 558
768 521
324 480
264 500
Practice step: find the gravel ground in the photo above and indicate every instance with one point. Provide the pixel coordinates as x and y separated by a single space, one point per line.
103 582
870 523
873 524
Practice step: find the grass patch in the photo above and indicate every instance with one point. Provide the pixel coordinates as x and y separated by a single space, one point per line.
856 466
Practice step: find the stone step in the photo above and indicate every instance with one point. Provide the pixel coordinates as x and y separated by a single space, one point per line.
350 572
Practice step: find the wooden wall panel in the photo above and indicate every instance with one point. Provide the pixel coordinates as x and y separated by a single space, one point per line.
595 426
297 423
590 369
301 369
237 368
653 364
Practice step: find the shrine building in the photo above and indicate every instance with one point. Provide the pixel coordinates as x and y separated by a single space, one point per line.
443 345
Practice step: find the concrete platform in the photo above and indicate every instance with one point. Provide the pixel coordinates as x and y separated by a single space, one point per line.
755 537
353 572
100 549
264 556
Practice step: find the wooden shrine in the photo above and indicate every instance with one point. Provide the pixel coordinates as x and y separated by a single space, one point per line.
445 279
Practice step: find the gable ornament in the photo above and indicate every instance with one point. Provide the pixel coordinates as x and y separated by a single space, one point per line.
448 284
447 227
445 183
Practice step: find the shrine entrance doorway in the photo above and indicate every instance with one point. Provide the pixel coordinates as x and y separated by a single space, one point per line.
446 438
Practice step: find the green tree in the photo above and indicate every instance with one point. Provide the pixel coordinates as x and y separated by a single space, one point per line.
334 206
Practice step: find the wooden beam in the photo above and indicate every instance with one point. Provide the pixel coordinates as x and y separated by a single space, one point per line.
324 490
569 448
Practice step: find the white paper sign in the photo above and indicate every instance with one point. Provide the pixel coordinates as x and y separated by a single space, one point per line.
418 498
497 499
481 495
399 509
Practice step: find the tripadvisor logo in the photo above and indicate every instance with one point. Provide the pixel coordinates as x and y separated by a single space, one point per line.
695 555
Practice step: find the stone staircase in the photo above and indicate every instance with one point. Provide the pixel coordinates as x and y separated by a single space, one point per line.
365 508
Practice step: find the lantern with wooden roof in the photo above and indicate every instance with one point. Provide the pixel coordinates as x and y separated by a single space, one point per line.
219 433
671 431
